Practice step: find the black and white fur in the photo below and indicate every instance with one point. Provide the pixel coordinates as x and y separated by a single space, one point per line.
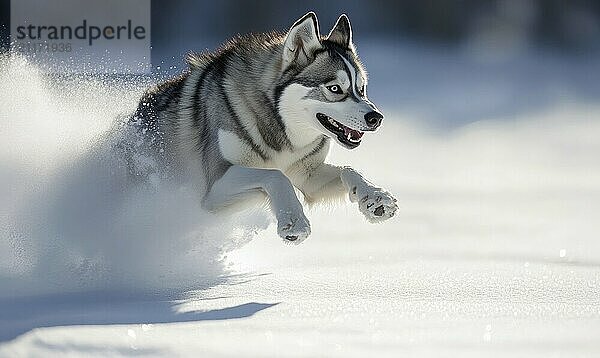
254 121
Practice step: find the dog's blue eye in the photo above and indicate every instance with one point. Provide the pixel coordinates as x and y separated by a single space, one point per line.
335 89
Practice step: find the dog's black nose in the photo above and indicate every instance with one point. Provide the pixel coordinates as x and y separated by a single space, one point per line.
373 119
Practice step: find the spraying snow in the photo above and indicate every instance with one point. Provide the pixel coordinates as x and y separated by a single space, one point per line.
70 220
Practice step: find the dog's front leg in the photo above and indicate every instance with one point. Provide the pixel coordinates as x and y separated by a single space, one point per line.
240 184
329 181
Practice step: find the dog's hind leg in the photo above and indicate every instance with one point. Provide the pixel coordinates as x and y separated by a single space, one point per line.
239 185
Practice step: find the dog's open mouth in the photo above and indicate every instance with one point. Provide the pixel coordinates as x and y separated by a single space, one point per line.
346 135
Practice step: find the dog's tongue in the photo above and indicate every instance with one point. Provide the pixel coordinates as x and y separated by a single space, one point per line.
353 133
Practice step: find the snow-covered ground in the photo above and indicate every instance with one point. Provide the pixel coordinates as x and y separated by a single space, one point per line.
495 250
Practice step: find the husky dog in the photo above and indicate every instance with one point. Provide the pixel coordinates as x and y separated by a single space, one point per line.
255 119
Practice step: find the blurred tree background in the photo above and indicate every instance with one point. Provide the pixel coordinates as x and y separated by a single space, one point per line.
573 23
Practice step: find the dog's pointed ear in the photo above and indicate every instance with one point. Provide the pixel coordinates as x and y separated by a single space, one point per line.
302 41
341 33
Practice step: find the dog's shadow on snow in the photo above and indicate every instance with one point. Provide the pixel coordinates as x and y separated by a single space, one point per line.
21 315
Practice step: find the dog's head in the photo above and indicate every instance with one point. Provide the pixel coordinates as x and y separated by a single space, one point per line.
323 83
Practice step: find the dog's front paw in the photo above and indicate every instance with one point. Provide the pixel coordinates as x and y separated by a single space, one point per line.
293 228
376 204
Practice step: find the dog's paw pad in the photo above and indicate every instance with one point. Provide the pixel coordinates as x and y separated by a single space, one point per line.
378 205
379 211
293 229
